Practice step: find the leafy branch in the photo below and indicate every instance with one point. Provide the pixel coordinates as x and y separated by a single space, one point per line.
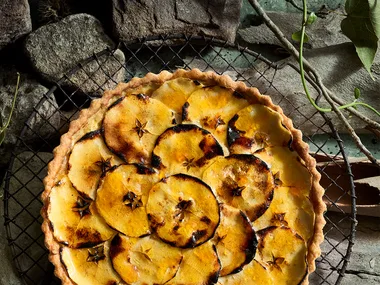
316 78
3 128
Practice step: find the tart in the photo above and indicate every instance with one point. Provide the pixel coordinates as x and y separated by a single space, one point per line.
184 178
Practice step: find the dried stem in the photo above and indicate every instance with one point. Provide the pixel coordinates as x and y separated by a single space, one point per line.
325 92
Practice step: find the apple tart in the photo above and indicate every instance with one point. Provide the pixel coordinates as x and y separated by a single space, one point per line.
184 178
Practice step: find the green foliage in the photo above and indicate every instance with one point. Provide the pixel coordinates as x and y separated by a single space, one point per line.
362 27
296 36
357 93
3 128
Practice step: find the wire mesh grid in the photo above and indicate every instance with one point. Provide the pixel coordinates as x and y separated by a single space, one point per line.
58 107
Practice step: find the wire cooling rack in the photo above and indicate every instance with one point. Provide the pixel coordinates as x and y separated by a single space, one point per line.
76 89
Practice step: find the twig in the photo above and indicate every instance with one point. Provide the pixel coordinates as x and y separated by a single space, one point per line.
293 51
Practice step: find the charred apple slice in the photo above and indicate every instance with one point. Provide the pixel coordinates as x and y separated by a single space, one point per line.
199 266
290 209
145 260
252 273
174 93
256 127
132 125
242 181
90 265
287 167
212 108
183 211
74 219
283 252
89 160
235 240
185 149
122 197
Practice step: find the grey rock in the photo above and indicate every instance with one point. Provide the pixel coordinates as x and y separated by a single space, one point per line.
322 33
99 75
24 206
56 48
341 71
15 20
41 125
136 19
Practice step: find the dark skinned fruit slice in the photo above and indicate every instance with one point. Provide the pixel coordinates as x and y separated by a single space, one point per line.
145 260
132 125
283 252
74 219
242 181
288 168
174 93
185 149
90 265
256 127
89 160
252 273
235 240
183 211
199 266
290 209
212 108
122 196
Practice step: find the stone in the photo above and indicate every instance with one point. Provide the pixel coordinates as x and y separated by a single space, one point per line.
136 19
42 124
15 21
24 206
56 48
340 70
100 74
322 33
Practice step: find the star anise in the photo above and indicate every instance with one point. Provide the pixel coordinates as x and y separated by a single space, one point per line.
276 262
105 165
279 217
219 121
236 192
181 208
96 254
277 180
132 200
188 163
82 206
140 128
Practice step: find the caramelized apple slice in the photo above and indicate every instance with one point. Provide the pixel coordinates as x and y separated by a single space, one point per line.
212 108
235 240
287 167
185 149
291 209
144 260
174 93
122 196
199 266
283 252
256 127
241 181
132 125
252 273
74 219
90 265
183 211
89 160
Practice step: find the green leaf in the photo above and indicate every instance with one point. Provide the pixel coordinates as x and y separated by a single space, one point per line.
374 15
311 19
357 93
358 28
297 37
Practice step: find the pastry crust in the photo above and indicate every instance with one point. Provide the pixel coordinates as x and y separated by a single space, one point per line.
98 107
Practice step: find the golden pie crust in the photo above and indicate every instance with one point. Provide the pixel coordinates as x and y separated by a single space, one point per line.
90 119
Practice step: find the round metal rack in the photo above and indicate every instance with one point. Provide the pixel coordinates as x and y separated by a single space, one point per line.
62 103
